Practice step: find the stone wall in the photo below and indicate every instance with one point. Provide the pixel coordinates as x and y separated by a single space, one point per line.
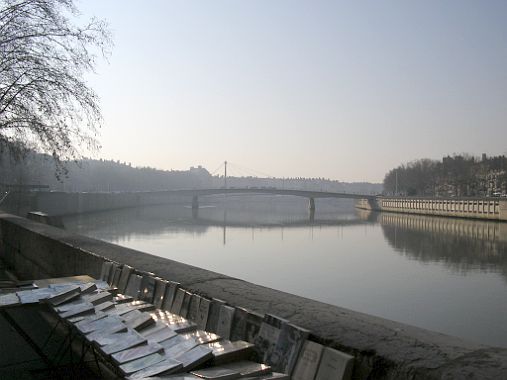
383 349
474 208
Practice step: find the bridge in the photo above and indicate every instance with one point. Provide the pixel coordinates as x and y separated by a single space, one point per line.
311 195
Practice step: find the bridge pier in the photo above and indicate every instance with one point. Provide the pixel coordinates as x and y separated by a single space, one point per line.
195 202
311 205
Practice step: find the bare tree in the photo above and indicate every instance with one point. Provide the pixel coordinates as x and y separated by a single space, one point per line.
45 103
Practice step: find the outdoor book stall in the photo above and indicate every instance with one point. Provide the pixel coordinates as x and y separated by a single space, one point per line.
141 326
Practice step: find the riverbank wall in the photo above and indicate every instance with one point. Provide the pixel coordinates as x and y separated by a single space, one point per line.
382 349
473 208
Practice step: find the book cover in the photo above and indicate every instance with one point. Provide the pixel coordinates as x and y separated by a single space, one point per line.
162 368
129 341
225 351
238 329
106 270
177 349
217 373
253 326
99 298
201 336
126 271
214 314
174 341
136 353
202 316
141 363
287 348
134 286
147 288
157 326
170 293
78 311
103 324
186 304
140 321
160 288
104 306
267 338
178 301
224 324
116 274
193 309
248 368
308 361
107 338
334 364
194 357
161 335
88 288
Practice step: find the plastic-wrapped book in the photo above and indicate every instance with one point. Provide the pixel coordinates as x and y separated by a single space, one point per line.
308 361
141 363
136 352
64 295
253 326
134 286
194 357
170 294
130 341
165 367
248 368
203 313
238 330
104 324
178 301
225 351
161 335
106 338
224 324
175 350
267 338
99 298
140 321
334 365
193 309
202 337
147 288
216 373
214 314
287 349
186 304
78 310
126 271
160 288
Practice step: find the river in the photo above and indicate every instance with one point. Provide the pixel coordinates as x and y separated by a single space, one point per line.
443 274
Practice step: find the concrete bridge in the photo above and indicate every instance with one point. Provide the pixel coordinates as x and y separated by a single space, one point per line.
310 194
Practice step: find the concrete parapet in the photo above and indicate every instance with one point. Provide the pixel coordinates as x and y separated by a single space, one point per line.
383 349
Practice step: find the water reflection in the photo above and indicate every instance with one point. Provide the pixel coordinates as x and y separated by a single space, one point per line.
462 245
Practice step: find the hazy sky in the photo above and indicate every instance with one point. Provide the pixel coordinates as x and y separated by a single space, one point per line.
345 90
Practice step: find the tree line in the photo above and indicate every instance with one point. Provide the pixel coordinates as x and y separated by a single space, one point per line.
460 175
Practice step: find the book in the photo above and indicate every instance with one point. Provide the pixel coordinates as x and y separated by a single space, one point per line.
157 326
214 314
308 361
170 294
71 305
140 321
287 348
122 298
78 310
225 351
267 337
10 299
88 288
174 341
103 324
106 270
166 366
202 316
136 353
334 364
141 363
65 295
217 373
126 271
178 301
201 336
131 340
238 329
193 308
104 306
252 326
271 376
147 288
103 338
134 286
185 304
194 357
116 274
225 319
99 298
172 350
161 335
160 288
248 368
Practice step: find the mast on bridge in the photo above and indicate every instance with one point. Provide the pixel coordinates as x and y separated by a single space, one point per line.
225 175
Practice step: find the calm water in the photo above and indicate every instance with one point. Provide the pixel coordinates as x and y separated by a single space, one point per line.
447 275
